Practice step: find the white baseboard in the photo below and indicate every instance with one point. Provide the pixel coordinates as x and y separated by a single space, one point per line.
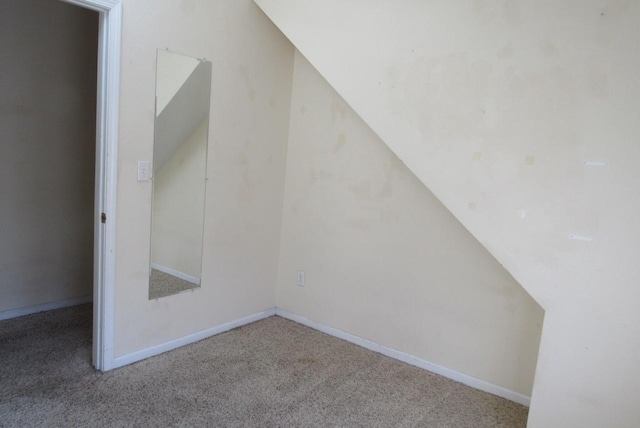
28 310
191 338
365 343
176 273
409 359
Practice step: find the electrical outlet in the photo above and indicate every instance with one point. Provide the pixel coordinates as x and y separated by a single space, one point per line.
301 278
144 170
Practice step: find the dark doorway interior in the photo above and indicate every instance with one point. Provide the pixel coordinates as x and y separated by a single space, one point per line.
48 78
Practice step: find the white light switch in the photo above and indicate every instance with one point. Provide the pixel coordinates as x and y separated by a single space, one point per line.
144 170
301 278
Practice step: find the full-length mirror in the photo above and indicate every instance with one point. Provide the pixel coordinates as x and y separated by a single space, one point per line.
183 87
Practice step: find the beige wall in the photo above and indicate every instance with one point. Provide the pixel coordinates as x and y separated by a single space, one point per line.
494 106
384 259
251 83
47 150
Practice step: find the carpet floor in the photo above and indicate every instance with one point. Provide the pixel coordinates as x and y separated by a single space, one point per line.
272 373
162 284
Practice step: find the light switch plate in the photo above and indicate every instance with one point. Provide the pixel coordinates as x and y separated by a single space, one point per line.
301 278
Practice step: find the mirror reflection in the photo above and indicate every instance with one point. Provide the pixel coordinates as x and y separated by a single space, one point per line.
183 86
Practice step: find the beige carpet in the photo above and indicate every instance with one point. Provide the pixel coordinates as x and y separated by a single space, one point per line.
273 373
162 284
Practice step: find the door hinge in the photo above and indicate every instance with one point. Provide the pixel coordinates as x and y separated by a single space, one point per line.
103 218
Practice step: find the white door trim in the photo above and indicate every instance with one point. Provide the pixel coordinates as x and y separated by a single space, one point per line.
106 177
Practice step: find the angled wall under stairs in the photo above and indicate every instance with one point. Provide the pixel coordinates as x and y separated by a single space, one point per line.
521 118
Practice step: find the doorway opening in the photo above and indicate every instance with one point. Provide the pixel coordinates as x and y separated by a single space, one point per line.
109 33
58 126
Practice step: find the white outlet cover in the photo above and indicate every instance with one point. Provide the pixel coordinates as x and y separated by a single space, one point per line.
144 170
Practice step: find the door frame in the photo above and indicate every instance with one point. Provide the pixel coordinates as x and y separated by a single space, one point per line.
106 175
